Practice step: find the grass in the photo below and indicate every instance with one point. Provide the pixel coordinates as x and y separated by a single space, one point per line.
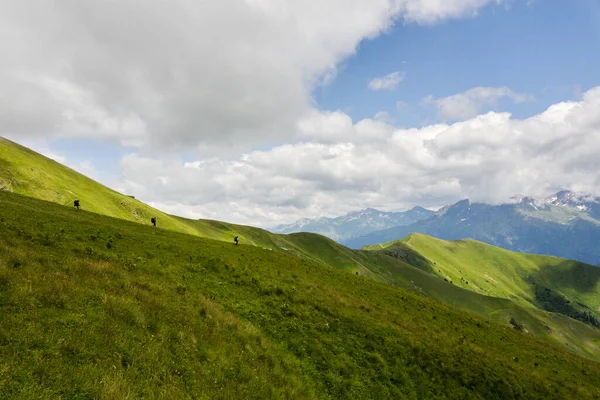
501 273
160 314
479 277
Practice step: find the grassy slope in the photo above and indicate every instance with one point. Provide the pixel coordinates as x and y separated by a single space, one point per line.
95 307
491 274
26 172
502 273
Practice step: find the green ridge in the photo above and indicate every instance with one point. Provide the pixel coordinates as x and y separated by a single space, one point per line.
483 278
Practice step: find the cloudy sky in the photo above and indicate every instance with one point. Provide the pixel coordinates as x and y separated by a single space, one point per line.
265 111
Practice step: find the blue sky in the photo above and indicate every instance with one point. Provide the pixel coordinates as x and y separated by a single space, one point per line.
549 48
215 113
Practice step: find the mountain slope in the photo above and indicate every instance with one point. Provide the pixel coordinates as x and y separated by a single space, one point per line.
97 307
355 224
503 285
525 279
26 172
549 229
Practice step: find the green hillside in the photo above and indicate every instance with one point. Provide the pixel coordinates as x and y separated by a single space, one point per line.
534 284
96 307
26 172
501 273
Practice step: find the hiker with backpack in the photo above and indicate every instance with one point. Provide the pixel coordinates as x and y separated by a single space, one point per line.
76 204
153 220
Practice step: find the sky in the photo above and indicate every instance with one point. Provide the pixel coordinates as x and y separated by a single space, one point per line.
262 112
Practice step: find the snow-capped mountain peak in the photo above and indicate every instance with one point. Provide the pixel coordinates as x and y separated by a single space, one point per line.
567 198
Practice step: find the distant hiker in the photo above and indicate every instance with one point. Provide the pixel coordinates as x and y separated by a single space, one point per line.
153 220
76 204
235 239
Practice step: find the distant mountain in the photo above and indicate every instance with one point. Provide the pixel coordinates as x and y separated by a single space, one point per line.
585 203
565 225
356 223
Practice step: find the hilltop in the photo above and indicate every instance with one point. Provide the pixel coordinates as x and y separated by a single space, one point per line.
98 307
26 172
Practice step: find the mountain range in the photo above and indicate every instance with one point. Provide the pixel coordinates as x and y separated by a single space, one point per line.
356 223
566 224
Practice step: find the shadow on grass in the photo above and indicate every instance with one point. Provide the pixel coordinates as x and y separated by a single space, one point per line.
404 253
570 274
579 277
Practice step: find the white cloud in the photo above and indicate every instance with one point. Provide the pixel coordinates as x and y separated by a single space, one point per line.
471 103
222 75
430 11
388 82
327 126
217 74
351 166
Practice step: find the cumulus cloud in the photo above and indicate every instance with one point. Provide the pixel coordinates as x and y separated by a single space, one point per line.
388 82
431 11
225 75
182 73
343 166
470 103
